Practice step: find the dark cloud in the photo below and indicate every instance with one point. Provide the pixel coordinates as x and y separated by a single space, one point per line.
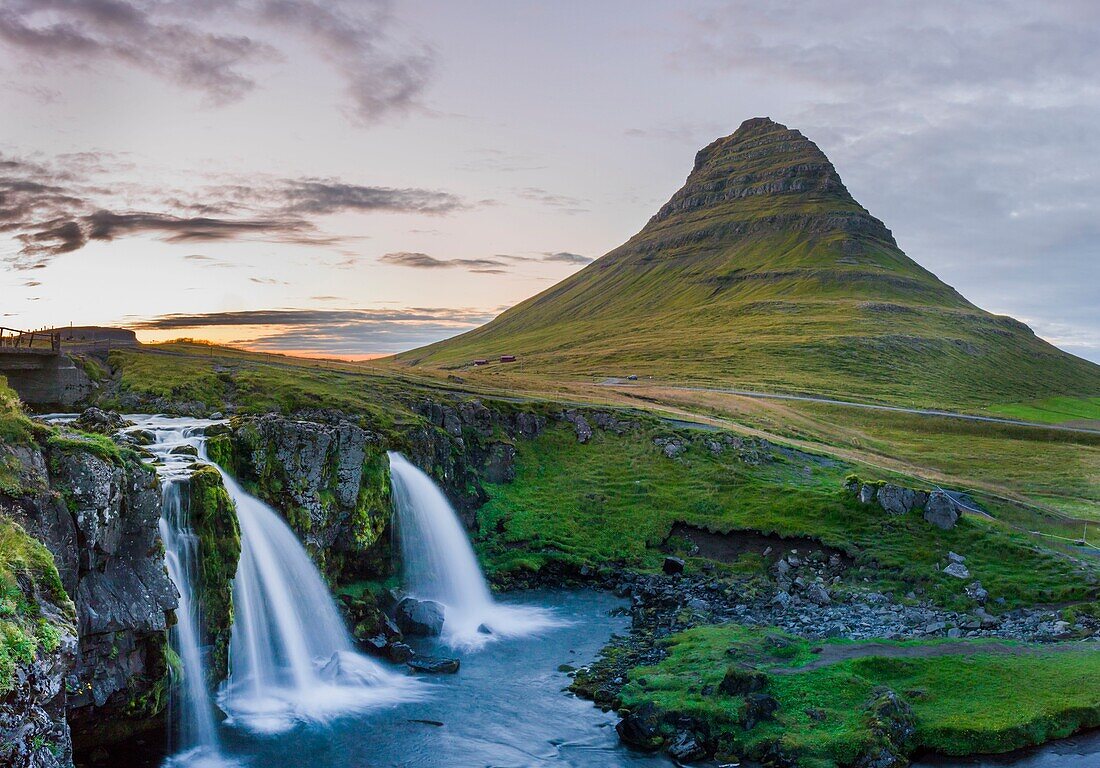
325 196
337 332
424 261
183 43
56 208
564 257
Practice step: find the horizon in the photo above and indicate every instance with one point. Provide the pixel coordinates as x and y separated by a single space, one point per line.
441 164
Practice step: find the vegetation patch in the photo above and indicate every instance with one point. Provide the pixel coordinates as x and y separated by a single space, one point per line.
963 697
616 498
214 521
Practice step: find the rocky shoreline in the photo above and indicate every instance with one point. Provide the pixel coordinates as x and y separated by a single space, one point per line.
662 605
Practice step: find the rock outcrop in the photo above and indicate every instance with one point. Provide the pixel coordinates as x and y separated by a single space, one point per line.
937 507
95 509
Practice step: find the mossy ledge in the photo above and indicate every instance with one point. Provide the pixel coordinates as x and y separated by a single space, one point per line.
842 703
214 521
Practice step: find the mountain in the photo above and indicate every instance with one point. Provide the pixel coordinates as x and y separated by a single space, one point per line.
763 272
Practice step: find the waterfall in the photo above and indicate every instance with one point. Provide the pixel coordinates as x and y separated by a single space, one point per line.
291 659
439 564
197 742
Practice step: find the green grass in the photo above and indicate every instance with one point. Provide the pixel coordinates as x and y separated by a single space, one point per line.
963 703
1053 410
617 498
27 575
769 292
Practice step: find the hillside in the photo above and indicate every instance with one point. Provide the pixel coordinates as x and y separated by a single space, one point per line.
763 272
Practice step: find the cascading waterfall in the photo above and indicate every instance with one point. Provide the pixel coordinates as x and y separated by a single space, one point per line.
439 564
197 742
291 657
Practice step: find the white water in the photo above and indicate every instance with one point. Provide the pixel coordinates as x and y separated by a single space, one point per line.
439 564
291 658
196 743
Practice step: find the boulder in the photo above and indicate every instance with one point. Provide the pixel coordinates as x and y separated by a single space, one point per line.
580 426
758 708
433 666
740 680
977 593
897 500
955 557
941 510
867 494
672 565
500 466
419 617
97 420
685 748
818 595
641 728
958 570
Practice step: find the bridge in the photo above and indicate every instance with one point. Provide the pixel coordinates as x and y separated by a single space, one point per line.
13 341
36 368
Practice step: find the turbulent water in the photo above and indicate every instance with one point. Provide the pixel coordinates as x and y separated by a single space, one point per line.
291 658
439 564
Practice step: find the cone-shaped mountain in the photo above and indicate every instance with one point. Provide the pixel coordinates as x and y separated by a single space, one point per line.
763 272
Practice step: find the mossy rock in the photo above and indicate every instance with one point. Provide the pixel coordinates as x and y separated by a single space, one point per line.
214 521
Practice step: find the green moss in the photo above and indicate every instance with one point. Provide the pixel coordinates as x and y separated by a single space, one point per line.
214 521
969 700
27 577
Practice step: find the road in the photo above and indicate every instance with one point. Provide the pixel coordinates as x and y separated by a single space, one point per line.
866 406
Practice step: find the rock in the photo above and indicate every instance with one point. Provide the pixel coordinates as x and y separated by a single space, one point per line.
672 565
782 599
740 680
484 629
399 652
672 447
100 421
500 467
758 708
897 500
641 728
958 570
818 595
528 425
892 727
433 666
867 494
955 557
941 510
184 450
580 426
685 749
420 617
976 593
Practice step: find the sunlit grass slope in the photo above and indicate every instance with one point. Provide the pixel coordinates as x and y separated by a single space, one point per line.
763 272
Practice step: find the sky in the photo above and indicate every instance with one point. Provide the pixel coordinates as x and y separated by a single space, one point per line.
359 177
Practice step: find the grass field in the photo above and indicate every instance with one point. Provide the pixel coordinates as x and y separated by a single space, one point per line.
617 498
972 700
1054 410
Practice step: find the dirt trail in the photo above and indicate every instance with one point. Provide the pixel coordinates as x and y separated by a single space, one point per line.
833 653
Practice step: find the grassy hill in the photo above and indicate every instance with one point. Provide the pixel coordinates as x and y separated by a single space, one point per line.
763 272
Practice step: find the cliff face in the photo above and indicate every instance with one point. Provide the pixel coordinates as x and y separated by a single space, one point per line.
95 510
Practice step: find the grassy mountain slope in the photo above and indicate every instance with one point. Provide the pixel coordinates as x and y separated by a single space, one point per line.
763 272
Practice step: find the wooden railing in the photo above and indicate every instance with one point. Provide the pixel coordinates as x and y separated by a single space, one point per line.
12 339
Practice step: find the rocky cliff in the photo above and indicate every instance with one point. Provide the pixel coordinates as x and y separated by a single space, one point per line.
95 508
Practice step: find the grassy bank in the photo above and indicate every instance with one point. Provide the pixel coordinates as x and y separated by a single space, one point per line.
965 697
616 499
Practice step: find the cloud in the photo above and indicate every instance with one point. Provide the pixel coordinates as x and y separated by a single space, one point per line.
564 257
424 261
565 203
53 208
335 331
326 196
185 44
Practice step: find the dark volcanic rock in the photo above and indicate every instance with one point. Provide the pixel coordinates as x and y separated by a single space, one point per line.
672 565
641 728
433 666
420 617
